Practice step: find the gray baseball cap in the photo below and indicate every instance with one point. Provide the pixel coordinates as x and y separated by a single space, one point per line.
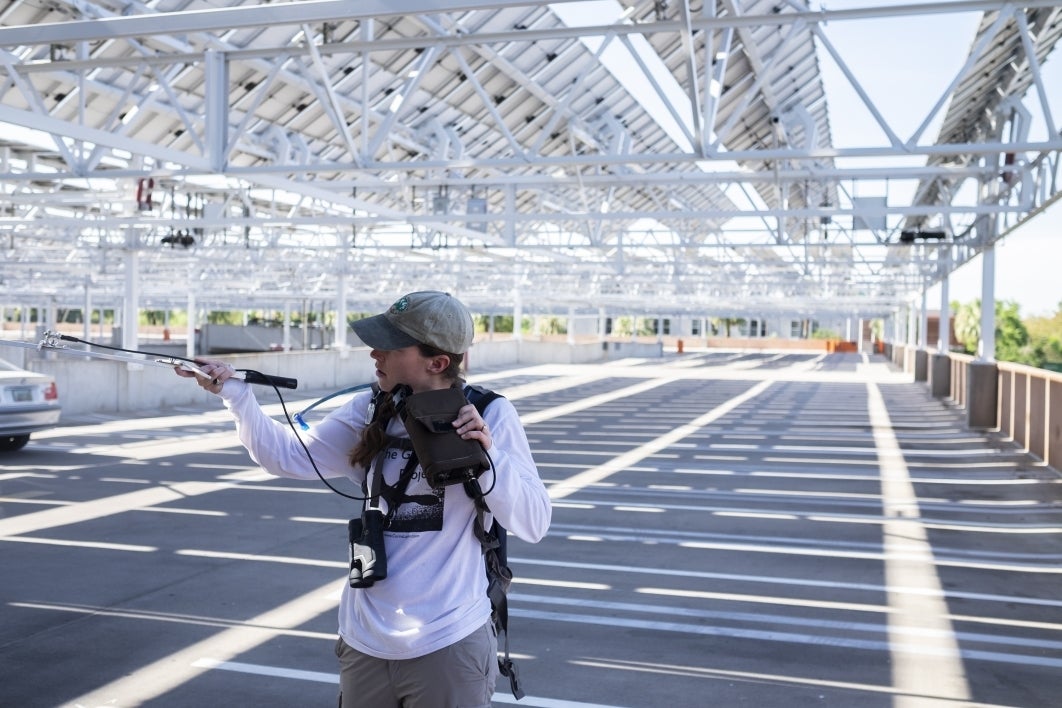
427 317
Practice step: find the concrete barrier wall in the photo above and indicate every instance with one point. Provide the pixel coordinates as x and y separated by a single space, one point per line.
550 352
492 354
255 338
1053 424
959 380
773 343
898 355
939 375
1036 430
100 386
1023 403
1032 399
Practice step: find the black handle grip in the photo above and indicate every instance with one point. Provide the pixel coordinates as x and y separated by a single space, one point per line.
255 377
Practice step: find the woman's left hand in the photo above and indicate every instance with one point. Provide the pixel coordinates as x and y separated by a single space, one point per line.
471 426
217 373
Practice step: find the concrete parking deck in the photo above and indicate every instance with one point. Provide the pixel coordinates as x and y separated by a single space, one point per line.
730 529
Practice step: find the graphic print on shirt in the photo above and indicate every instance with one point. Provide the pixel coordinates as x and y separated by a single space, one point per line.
413 516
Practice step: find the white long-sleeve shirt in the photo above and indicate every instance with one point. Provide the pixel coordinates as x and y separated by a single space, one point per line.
435 590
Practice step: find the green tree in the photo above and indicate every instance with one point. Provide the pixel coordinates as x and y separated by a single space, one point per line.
967 324
1045 333
152 317
225 317
625 327
726 323
877 330
1012 338
502 323
553 325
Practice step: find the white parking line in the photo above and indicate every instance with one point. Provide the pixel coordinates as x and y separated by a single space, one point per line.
180 667
99 508
935 667
594 475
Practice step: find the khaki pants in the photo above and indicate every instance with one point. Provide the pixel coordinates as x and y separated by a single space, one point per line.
461 675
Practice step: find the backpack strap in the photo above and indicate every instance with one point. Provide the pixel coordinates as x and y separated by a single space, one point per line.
499 575
488 538
394 494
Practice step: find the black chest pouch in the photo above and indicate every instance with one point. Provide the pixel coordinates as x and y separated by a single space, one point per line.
445 456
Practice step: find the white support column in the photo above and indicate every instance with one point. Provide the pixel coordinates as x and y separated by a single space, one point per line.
287 326
571 326
193 321
50 315
86 324
305 325
602 322
944 329
341 311
131 299
518 316
986 349
912 325
923 329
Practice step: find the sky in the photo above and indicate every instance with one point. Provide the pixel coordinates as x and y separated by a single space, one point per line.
905 65
1028 269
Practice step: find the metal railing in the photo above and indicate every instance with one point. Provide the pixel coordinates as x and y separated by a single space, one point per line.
1030 410
1022 403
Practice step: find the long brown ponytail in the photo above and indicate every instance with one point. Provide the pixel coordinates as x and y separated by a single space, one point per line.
374 437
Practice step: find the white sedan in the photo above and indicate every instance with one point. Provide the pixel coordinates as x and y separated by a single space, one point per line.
29 402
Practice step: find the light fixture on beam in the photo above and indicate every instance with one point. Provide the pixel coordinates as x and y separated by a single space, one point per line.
909 236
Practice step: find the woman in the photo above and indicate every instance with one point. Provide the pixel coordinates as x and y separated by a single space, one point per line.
420 637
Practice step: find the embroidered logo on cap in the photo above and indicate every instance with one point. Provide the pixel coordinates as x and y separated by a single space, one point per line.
401 305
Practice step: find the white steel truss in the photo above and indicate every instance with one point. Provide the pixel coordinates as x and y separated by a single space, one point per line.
648 156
